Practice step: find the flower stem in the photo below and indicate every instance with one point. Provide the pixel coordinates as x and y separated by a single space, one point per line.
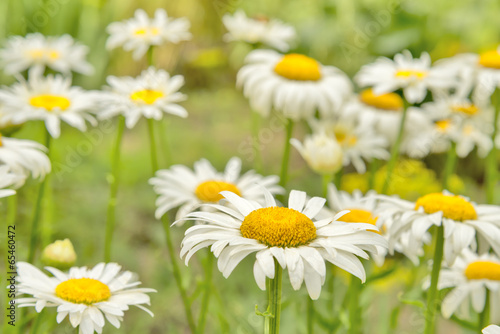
374 166
165 142
449 167
355 319
37 211
177 273
484 316
310 315
274 305
432 301
152 145
337 178
286 154
395 152
327 178
113 180
492 158
209 263
256 119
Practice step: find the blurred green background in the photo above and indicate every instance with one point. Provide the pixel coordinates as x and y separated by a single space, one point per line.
343 33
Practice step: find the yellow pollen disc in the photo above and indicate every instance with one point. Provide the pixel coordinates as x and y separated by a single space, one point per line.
54 55
146 96
453 207
209 191
443 125
360 216
36 53
468 109
490 59
411 74
143 31
86 291
483 270
50 102
388 101
298 67
278 227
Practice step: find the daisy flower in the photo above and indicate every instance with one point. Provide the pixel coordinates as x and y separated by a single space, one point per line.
182 187
356 137
288 235
491 329
462 220
471 276
50 99
24 157
151 94
139 33
273 33
293 84
88 296
8 179
322 153
414 75
36 52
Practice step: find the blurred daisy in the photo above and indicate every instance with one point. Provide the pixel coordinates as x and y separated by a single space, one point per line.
139 33
322 153
182 187
357 139
36 52
88 296
293 84
24 157
272 32
414 75
50 99
491 329
8 179
461 218
287 234
471 276
151 94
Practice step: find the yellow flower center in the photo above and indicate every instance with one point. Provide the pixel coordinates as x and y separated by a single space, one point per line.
298 67
490 59
209 191
147 31
50 102
278 227
483 270
388 101
53 54
36 53
360 216
453 207
147 96
413 74
468 109
344 136
86 291
443 125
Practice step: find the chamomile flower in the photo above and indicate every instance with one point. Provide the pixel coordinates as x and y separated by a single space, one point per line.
491 329
322 153
356 137
461 218
293 84
471 276
36 52
182 187
139 33
272 32
8 179
51 99
288 235
88 296
151 94
414 75
24 157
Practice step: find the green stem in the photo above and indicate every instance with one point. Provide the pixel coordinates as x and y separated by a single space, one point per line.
209 263
449 167
152 145
395 152
286 154
36 324
177 273
327 178
491 159
113 185
256 120
432 301
331 291
37 211
337 178
484 316
165 142
310 315
275 300
150 56
355 319
374 166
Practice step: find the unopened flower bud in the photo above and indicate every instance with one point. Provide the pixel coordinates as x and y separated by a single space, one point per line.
59 254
